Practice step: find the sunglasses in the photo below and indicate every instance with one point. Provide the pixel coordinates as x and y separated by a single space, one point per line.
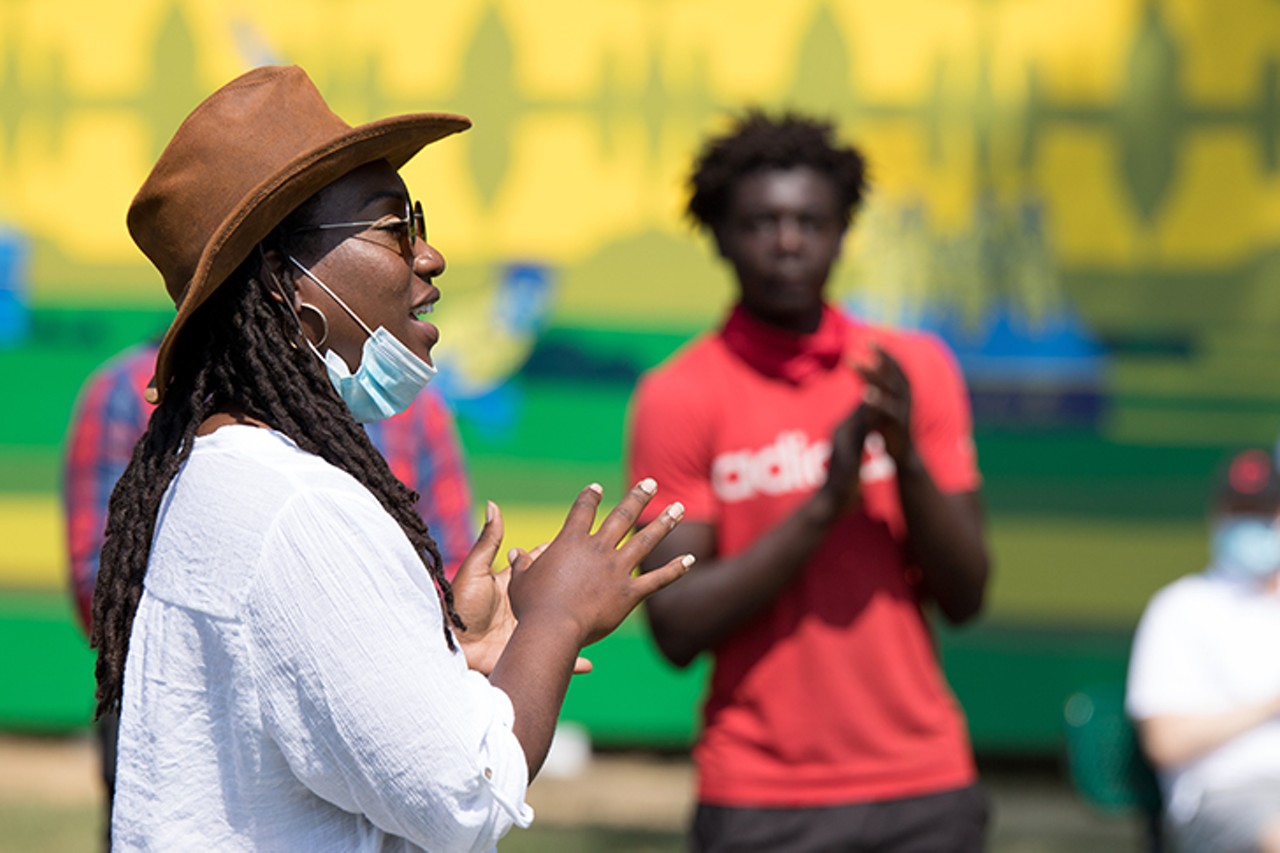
413 225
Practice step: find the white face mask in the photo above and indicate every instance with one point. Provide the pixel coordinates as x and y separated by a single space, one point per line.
390 375
1246 547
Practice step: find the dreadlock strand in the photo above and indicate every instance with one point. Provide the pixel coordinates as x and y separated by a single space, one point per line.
126 547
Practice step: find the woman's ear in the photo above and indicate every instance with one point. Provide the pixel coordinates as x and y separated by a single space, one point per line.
275 274
285 288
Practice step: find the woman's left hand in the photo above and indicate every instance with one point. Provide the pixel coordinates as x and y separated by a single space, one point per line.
480 597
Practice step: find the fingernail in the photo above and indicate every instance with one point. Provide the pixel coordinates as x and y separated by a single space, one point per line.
511 556
676 511
648 485
490 510
597 488
688 560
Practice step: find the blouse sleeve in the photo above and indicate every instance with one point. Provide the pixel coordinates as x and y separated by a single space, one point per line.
359 690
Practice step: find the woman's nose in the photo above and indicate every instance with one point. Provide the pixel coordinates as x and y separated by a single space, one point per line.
427 260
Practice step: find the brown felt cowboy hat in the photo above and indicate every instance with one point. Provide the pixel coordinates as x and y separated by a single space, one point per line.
241 162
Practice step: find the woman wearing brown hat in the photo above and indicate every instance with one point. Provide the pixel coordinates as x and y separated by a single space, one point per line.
289 676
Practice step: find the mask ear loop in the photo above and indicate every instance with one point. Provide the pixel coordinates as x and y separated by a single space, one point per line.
335 297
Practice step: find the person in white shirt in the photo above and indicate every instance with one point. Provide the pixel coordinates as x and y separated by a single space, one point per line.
1204 675
293 671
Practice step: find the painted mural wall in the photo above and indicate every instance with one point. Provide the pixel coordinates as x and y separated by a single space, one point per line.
1081 196
1102 165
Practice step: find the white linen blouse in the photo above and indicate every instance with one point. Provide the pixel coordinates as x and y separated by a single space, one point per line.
288 685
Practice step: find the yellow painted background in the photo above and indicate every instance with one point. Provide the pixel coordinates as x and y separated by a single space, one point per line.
592 110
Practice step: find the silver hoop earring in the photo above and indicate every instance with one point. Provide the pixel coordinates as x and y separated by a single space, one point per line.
324 321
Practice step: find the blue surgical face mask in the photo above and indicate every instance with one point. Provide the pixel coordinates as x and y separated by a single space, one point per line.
390 375
1246 547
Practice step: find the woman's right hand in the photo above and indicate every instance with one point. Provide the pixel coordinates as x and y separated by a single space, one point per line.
584 581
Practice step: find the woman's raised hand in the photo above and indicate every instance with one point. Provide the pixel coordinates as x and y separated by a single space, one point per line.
572 594
480 597
585 581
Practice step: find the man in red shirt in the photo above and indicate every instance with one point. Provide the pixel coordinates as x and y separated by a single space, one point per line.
830 487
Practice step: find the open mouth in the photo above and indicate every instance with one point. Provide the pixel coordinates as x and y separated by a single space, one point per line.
421 310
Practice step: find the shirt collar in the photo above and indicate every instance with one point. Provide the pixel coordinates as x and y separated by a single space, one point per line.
781 354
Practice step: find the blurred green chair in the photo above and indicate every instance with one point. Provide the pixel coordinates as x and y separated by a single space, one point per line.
1105 761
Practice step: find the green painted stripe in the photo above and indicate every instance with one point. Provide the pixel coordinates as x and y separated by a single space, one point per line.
47 670
1012 679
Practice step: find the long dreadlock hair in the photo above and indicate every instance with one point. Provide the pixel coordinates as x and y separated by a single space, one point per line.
241 352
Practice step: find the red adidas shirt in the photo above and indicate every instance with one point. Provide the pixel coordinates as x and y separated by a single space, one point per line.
833 695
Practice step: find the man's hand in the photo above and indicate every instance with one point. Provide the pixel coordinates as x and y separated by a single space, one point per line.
844 482
887 401
944 531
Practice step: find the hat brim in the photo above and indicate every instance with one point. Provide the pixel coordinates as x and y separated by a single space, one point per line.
396 140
